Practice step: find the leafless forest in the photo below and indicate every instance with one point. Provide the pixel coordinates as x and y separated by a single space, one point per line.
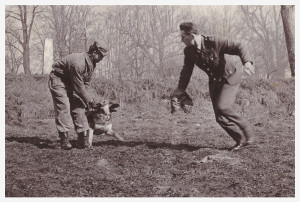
144 41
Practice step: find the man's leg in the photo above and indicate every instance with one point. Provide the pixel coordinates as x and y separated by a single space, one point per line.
215 90
80 121
225 103
61 109
223 96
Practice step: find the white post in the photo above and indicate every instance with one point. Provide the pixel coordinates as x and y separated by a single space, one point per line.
48 56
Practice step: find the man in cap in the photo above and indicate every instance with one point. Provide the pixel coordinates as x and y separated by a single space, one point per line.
207 52
69 84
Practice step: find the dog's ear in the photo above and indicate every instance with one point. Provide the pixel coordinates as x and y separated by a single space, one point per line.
114 105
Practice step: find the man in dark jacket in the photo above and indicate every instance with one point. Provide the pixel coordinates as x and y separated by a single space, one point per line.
69 84
224 78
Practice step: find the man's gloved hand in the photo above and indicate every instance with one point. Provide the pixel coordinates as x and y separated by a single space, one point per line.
180 100
107 107
249 69
92 105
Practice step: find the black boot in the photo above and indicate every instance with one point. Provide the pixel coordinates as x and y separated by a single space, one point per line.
64 141
249 134
236 147
83 140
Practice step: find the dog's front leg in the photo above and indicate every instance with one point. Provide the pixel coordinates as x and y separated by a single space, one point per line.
109 131
91 135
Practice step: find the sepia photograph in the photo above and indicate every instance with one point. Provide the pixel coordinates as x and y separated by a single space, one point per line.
145 100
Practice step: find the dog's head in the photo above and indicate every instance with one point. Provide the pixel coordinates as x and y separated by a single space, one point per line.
97 117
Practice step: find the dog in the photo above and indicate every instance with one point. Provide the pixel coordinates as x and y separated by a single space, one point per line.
100 122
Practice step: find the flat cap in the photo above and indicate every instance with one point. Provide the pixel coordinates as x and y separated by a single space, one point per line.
96 47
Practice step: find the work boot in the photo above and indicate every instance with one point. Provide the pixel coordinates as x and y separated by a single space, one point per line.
64 141
83 140
237 146
249 135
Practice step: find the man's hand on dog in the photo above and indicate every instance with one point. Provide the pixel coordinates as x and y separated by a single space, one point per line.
92 105
106 106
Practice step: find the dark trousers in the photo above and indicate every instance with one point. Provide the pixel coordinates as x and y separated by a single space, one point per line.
67 106
223 96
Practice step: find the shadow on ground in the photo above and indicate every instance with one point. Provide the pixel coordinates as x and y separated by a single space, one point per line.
48 144
36 141
153 145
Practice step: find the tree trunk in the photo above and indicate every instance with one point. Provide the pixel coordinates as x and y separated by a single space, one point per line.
26 54
288 19
26 60
60 29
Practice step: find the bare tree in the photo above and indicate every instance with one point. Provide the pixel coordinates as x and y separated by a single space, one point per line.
288 19
262 22
13 55
142 40
70 25
153 35
24 16
59 25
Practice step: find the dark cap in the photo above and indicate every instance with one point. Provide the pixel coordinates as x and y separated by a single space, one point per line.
188 28
99 49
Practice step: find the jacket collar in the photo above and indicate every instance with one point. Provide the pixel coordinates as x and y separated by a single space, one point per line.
198 40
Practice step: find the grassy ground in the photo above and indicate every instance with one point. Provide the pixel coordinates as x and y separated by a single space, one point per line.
163 154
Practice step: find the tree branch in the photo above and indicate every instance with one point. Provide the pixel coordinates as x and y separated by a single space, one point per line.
14 34
10 44
32 20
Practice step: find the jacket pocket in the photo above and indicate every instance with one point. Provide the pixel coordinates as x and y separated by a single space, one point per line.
232 74
54 81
